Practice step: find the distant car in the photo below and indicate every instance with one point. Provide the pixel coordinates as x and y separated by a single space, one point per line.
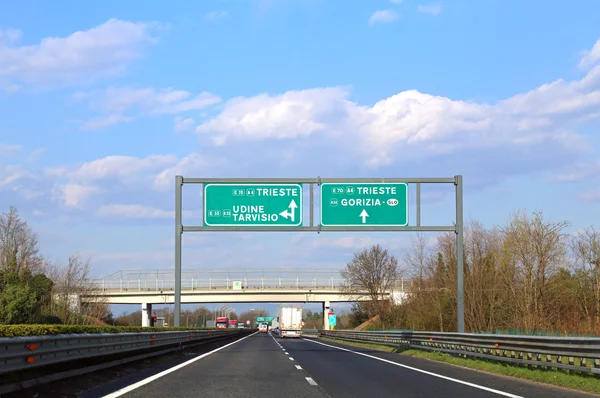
262 328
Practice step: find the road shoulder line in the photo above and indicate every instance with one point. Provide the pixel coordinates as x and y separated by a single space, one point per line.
506 394
150 379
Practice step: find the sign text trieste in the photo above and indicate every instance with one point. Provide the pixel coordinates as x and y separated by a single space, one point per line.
252 205
364 204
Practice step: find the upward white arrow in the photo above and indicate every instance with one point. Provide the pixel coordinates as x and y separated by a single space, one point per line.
364 216
292 208
291 213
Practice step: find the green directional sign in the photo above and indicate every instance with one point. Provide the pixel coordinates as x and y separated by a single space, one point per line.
260 319
364 204
259 205
269 318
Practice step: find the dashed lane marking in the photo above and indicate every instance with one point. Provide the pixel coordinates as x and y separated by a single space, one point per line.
311 381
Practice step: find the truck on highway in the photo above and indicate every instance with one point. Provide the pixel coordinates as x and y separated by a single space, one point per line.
222 322
290 321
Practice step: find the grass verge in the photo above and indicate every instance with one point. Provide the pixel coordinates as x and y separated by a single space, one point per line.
577 381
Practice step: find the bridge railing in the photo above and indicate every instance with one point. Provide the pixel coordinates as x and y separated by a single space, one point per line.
571 353
139 281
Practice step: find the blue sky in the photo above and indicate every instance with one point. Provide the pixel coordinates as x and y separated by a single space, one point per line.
101 105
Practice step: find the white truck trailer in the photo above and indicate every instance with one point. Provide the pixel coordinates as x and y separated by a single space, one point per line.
290 321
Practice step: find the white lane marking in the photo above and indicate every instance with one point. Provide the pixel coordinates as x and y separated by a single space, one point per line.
311 381
291 359
298 367
286 353
506 394
150 379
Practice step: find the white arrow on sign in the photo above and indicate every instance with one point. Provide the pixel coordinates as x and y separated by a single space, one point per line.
364 216
291 213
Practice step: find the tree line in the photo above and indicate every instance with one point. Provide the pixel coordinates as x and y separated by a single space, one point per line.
528 274
34 289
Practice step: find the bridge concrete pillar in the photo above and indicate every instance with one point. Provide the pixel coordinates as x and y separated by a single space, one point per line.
326 306
146 314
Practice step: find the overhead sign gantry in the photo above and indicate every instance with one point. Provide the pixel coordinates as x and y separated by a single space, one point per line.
346 204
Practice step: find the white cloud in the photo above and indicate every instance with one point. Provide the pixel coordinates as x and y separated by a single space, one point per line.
216 15
192 165
593 196
103 122
133 211
9 36
82 56
433 9
182 125
11 173
579 172
118 101
74 195
21 183
290 115
12 88
7 149
126 169
35 154
590 57
383 16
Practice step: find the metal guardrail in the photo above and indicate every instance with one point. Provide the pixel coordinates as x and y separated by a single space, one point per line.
310 332
582 354
192 279
19 354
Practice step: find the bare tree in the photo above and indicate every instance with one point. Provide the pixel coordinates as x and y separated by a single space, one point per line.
486 299
19 251
375 272
70 284
586 250
416 256
535 248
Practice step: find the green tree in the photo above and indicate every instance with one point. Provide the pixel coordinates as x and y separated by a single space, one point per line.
18 303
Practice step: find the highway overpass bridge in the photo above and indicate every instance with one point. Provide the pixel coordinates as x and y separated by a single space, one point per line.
266 285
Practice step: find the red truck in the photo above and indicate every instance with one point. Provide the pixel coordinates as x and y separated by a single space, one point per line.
222 323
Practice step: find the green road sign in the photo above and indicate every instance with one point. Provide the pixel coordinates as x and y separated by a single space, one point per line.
364 204
259 205
269 318
260 319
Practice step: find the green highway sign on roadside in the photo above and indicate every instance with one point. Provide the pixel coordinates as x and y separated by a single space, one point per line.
253 205
364 204
269 318
260 319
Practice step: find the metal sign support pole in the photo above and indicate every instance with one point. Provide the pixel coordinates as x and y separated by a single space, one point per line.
178 234
460 258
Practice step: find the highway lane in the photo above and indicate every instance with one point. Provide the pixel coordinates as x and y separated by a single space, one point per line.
342 373
250 367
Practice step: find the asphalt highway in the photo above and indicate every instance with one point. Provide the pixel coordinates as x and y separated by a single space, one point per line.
262 365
